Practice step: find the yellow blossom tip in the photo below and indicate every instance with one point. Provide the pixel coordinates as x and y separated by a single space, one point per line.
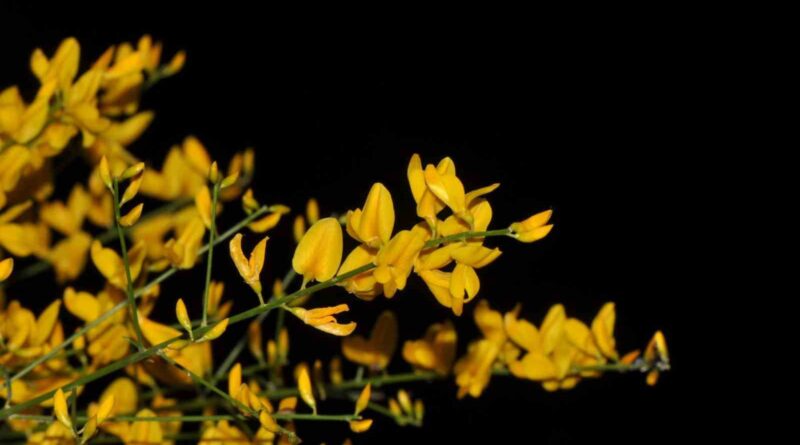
183 316
105 173
6 267
132 216
215 331
360 426
61 410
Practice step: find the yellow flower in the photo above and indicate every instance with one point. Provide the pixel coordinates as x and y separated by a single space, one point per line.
319 253
396 259
324 320
360 426
375 352
436 351
373 226
182 252
61 410
111 266
533 228
474 370
68 256
68 218
183 316
144 432
177 178
249 269
603 331
215 332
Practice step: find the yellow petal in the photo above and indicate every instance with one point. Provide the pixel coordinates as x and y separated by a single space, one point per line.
268 422
319 252
202 200
6 267
105 172
603 331
145 432
215 332
132 190
61 410
552 328
298 228
235 379
104 411
45 323
312 211
304 386
132 217
183 315
363 399
360 426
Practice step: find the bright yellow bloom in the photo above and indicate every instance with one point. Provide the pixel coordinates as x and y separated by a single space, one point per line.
319 253
436 351
533 228
324 320
373 226
377 351
145 432
474 370
249 269
111 266
396 259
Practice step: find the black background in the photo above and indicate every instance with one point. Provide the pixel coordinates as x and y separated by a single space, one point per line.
597 122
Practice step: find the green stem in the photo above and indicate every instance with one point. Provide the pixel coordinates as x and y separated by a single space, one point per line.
466 235
360 383
198 333
139 292
212 233
42 265
132 309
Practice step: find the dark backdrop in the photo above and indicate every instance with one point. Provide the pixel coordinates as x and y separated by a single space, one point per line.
596 122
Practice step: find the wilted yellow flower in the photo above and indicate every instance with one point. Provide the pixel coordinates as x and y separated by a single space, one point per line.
249 269
319 253
375 352
324 320
436 351
373 226
533 228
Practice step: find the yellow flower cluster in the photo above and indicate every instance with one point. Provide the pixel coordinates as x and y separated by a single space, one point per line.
156 366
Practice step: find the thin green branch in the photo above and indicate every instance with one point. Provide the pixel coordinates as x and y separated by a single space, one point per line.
211 234
129 292
42 266
139 292
198 333
466 235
